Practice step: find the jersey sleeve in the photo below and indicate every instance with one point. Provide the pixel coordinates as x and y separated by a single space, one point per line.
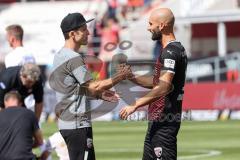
168 60
38 91
79 70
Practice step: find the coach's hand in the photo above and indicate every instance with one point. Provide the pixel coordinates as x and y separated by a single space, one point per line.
126 111
110 96
125 71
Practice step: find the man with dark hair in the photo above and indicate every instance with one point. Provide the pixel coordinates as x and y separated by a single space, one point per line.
19 55
73 84
26 80
165 97
19 131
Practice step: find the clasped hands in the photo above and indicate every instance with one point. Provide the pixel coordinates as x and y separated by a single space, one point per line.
125 72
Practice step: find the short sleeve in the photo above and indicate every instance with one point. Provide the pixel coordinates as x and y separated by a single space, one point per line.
168 60
79 69
38 91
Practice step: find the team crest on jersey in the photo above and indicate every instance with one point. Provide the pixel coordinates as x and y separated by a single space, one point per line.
2 85
158 151
169 63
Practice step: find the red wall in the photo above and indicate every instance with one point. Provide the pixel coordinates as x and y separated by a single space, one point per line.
212 96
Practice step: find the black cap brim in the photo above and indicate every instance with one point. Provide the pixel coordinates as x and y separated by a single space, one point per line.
89 20
86 22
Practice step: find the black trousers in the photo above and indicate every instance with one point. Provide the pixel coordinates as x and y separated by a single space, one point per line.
79 143
160 142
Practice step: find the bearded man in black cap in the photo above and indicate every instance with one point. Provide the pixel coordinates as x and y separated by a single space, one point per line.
73 85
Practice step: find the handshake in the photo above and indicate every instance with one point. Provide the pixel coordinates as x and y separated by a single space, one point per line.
124 71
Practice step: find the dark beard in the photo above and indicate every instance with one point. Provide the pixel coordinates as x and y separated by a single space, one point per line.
156 35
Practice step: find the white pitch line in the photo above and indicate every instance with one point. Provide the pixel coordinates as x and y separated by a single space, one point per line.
202 154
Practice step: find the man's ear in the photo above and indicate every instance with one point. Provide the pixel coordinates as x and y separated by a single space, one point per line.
71 33
12 39
161 26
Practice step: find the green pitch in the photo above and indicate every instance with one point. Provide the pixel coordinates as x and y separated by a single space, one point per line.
196 140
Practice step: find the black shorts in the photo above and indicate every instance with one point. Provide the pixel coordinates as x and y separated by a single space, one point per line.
160 142
79 143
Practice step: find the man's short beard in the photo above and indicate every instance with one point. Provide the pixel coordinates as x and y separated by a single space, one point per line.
157 35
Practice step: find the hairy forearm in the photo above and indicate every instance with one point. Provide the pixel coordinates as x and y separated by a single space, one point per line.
95 88
161 89
45 155
38 110
35 144
109 83
37 138
144 81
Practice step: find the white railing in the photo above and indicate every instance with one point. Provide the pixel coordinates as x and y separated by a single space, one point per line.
213 66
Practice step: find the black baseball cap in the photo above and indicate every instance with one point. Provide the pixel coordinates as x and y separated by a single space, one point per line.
73 21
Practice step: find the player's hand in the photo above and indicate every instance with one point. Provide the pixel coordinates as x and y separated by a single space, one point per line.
110 96
126 111
125 71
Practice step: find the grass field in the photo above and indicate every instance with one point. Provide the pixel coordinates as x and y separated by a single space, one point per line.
196 140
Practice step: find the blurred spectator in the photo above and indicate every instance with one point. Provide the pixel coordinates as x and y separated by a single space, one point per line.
19 55
122 16
26 80
96 40
147 3
135 3
233 72
112 7
109 39
19 131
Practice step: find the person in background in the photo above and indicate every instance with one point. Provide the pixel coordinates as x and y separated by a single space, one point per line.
26 80
19 55
19 131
